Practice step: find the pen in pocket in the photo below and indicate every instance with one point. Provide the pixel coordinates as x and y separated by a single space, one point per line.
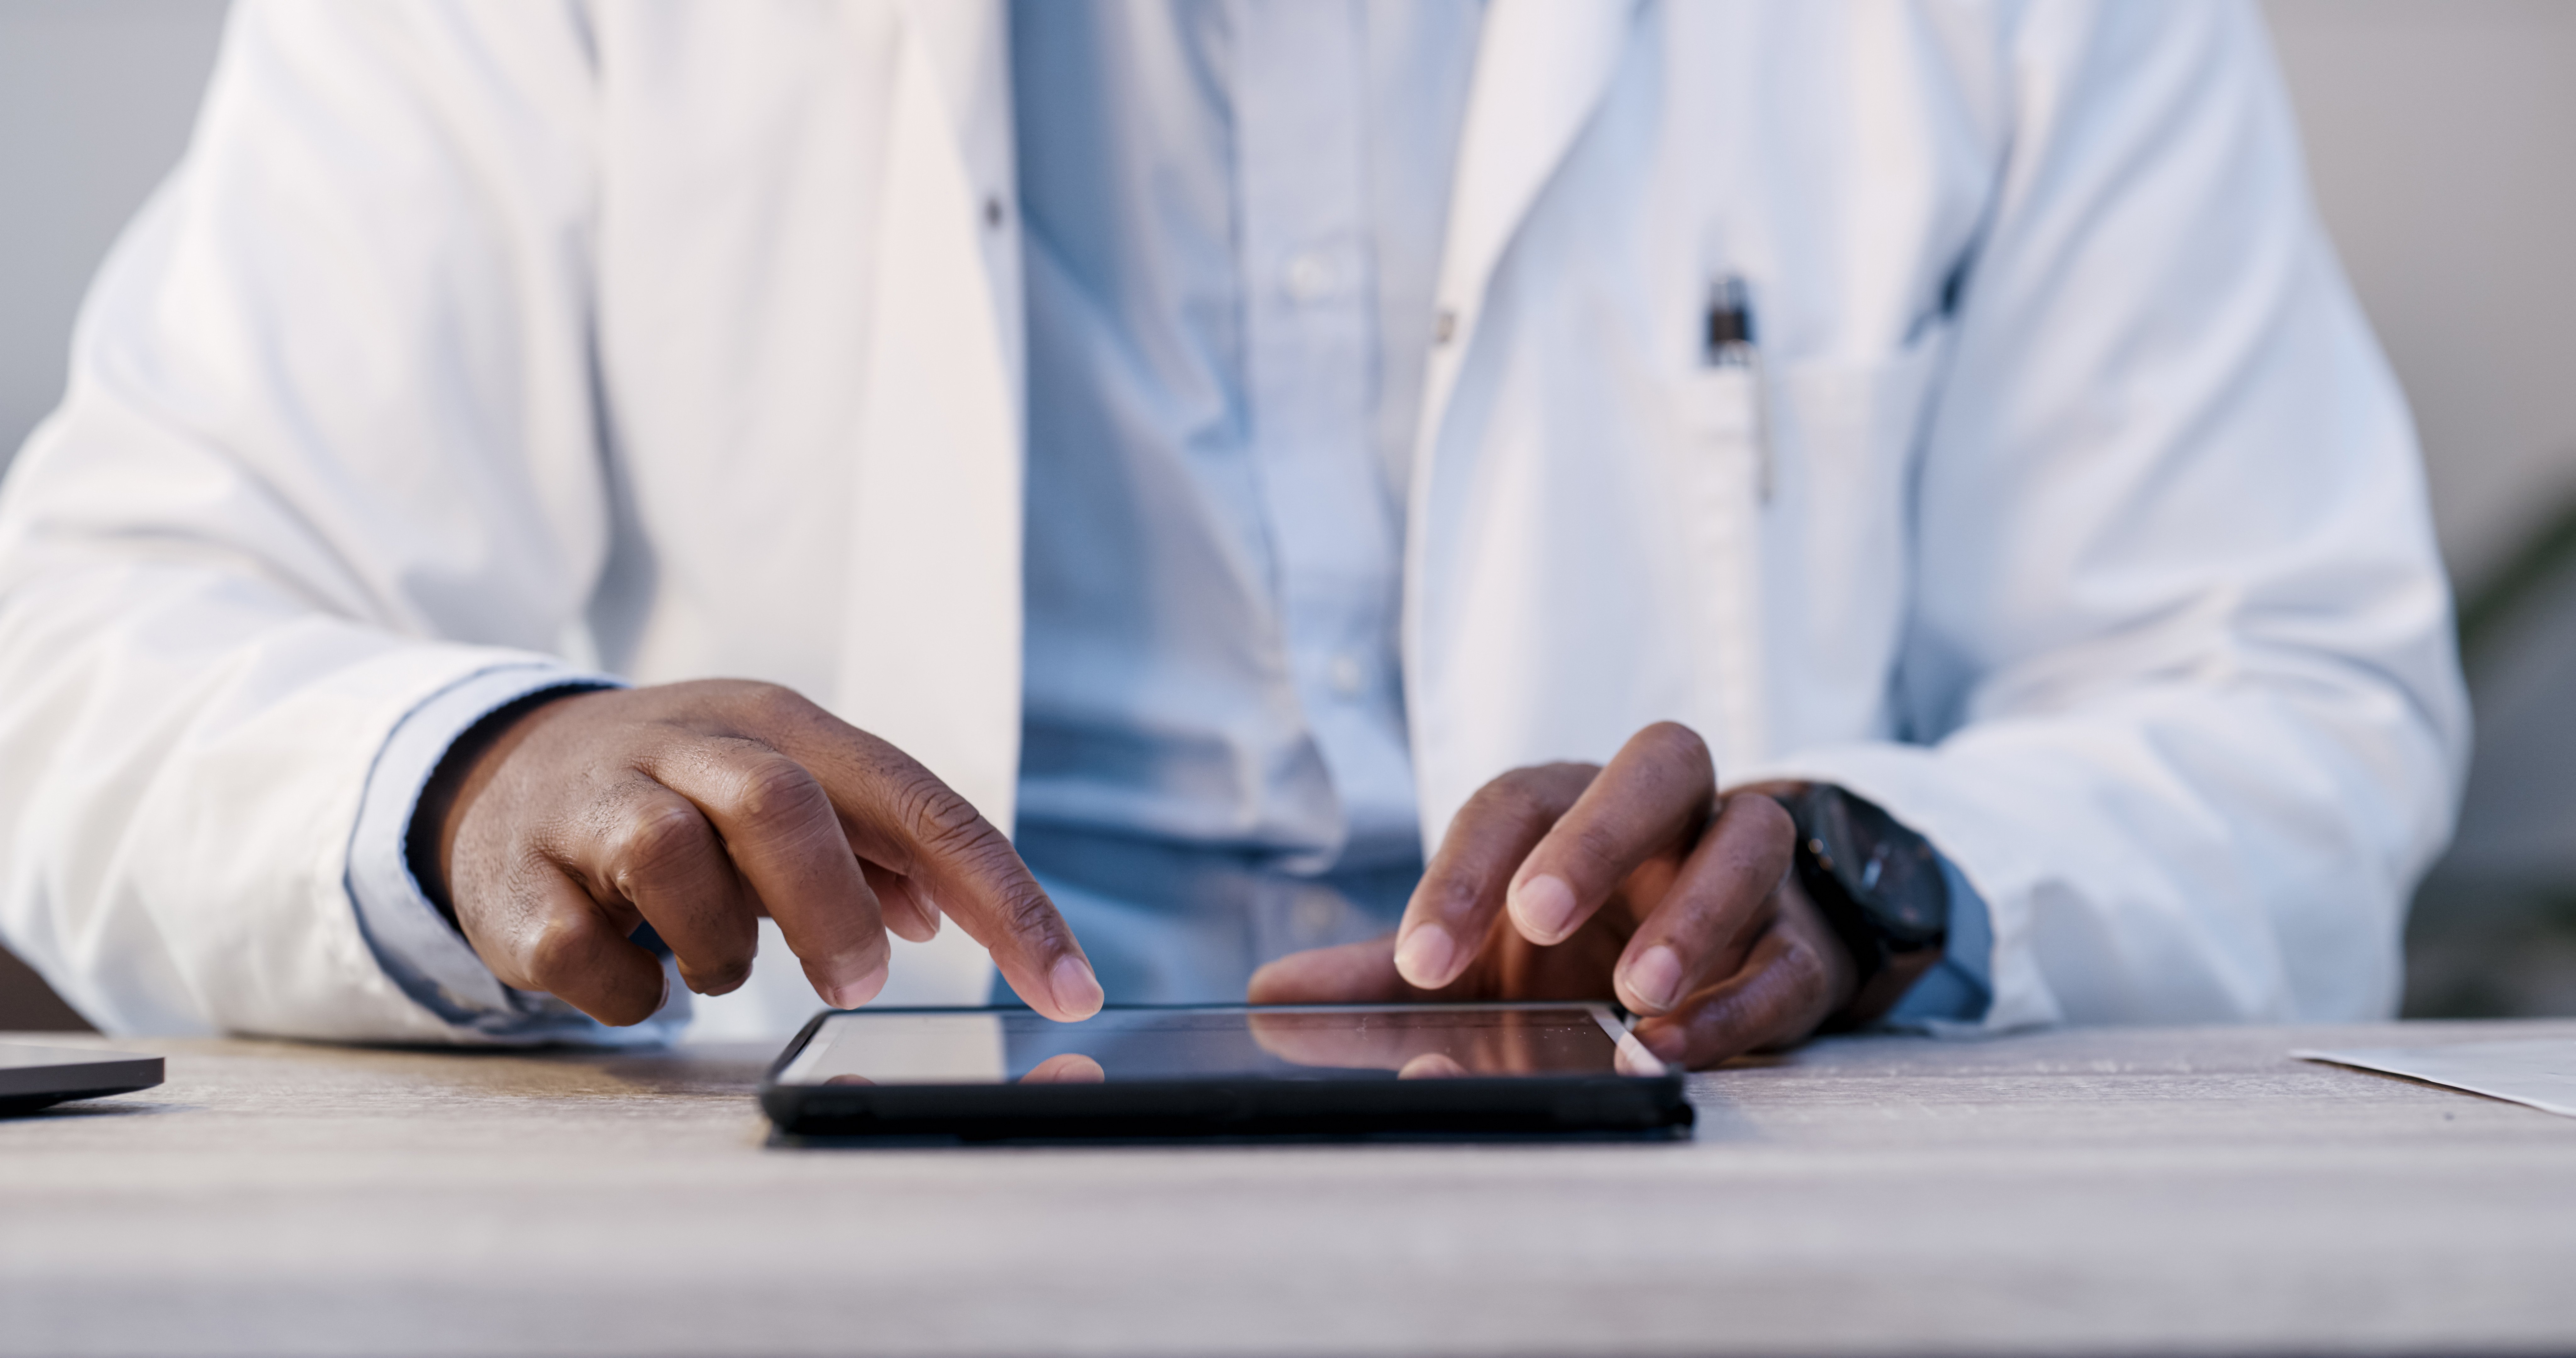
1728 343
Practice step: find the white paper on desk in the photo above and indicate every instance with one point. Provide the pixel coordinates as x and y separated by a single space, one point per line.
2539 1072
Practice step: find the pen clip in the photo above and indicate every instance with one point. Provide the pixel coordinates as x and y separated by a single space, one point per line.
1727 337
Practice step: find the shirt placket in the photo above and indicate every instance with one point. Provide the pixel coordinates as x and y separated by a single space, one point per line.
1310 332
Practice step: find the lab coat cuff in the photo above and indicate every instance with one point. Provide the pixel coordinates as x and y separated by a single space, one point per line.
415 944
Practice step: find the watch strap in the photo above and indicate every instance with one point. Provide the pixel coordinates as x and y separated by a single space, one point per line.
1886 966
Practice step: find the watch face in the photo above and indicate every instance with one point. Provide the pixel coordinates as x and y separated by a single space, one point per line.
1890 872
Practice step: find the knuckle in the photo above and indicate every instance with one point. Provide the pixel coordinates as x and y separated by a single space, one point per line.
774 787
1672 742
1759 840
1767 821
752 693
1799 964
664 840
1450 895
942 820
748 706
718 978
1558 784
1516 798
1597 846
1805 971
777 704
555 952
1027 912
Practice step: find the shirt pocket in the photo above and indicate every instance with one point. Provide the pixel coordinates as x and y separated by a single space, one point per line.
1723 420
1844 438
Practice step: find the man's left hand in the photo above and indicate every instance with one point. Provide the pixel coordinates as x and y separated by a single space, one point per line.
1634 881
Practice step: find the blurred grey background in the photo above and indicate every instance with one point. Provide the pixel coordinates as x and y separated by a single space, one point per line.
2442 140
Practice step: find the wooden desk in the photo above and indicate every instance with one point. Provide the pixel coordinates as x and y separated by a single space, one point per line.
2107 1191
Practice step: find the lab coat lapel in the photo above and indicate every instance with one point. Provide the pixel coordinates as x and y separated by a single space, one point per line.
966 44
1541 69
930 652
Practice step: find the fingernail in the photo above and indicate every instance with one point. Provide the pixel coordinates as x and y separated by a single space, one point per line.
852 994
1423 957
1668 1044
1545 907
1076 989
1655 980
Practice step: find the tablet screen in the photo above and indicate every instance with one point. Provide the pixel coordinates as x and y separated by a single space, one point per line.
997 1046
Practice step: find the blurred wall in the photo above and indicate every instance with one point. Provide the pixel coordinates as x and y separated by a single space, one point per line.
2442 145
2442 141
95 101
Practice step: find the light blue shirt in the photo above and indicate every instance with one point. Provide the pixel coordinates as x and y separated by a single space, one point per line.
1232 212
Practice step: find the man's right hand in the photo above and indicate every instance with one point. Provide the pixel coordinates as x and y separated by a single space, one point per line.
699 807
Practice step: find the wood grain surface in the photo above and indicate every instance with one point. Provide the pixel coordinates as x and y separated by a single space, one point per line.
2126 1191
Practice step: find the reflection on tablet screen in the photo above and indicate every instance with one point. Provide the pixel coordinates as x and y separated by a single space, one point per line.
993 1046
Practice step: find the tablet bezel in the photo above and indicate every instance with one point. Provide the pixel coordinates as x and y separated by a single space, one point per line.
1225 1108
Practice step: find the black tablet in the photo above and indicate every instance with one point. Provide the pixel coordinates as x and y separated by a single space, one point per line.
1323 1072
36 1077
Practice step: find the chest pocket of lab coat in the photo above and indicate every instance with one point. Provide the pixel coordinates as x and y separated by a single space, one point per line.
1797 484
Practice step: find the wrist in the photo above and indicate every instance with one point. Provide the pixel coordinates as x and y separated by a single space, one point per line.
458 781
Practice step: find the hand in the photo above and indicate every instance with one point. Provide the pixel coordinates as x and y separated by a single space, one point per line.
698 808
1634 881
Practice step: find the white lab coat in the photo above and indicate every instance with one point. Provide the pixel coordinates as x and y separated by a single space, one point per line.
687 337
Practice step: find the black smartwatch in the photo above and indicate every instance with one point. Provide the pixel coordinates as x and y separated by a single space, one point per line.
1879 885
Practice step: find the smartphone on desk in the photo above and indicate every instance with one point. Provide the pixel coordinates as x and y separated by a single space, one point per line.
1546 1070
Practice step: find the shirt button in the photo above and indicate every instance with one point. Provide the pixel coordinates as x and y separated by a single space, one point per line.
1307 277
1348 675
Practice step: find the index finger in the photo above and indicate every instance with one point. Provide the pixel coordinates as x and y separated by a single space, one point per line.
1655 794
1461 894
898 815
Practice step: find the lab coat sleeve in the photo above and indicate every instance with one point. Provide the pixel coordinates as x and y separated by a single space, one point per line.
328 451
2181 663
